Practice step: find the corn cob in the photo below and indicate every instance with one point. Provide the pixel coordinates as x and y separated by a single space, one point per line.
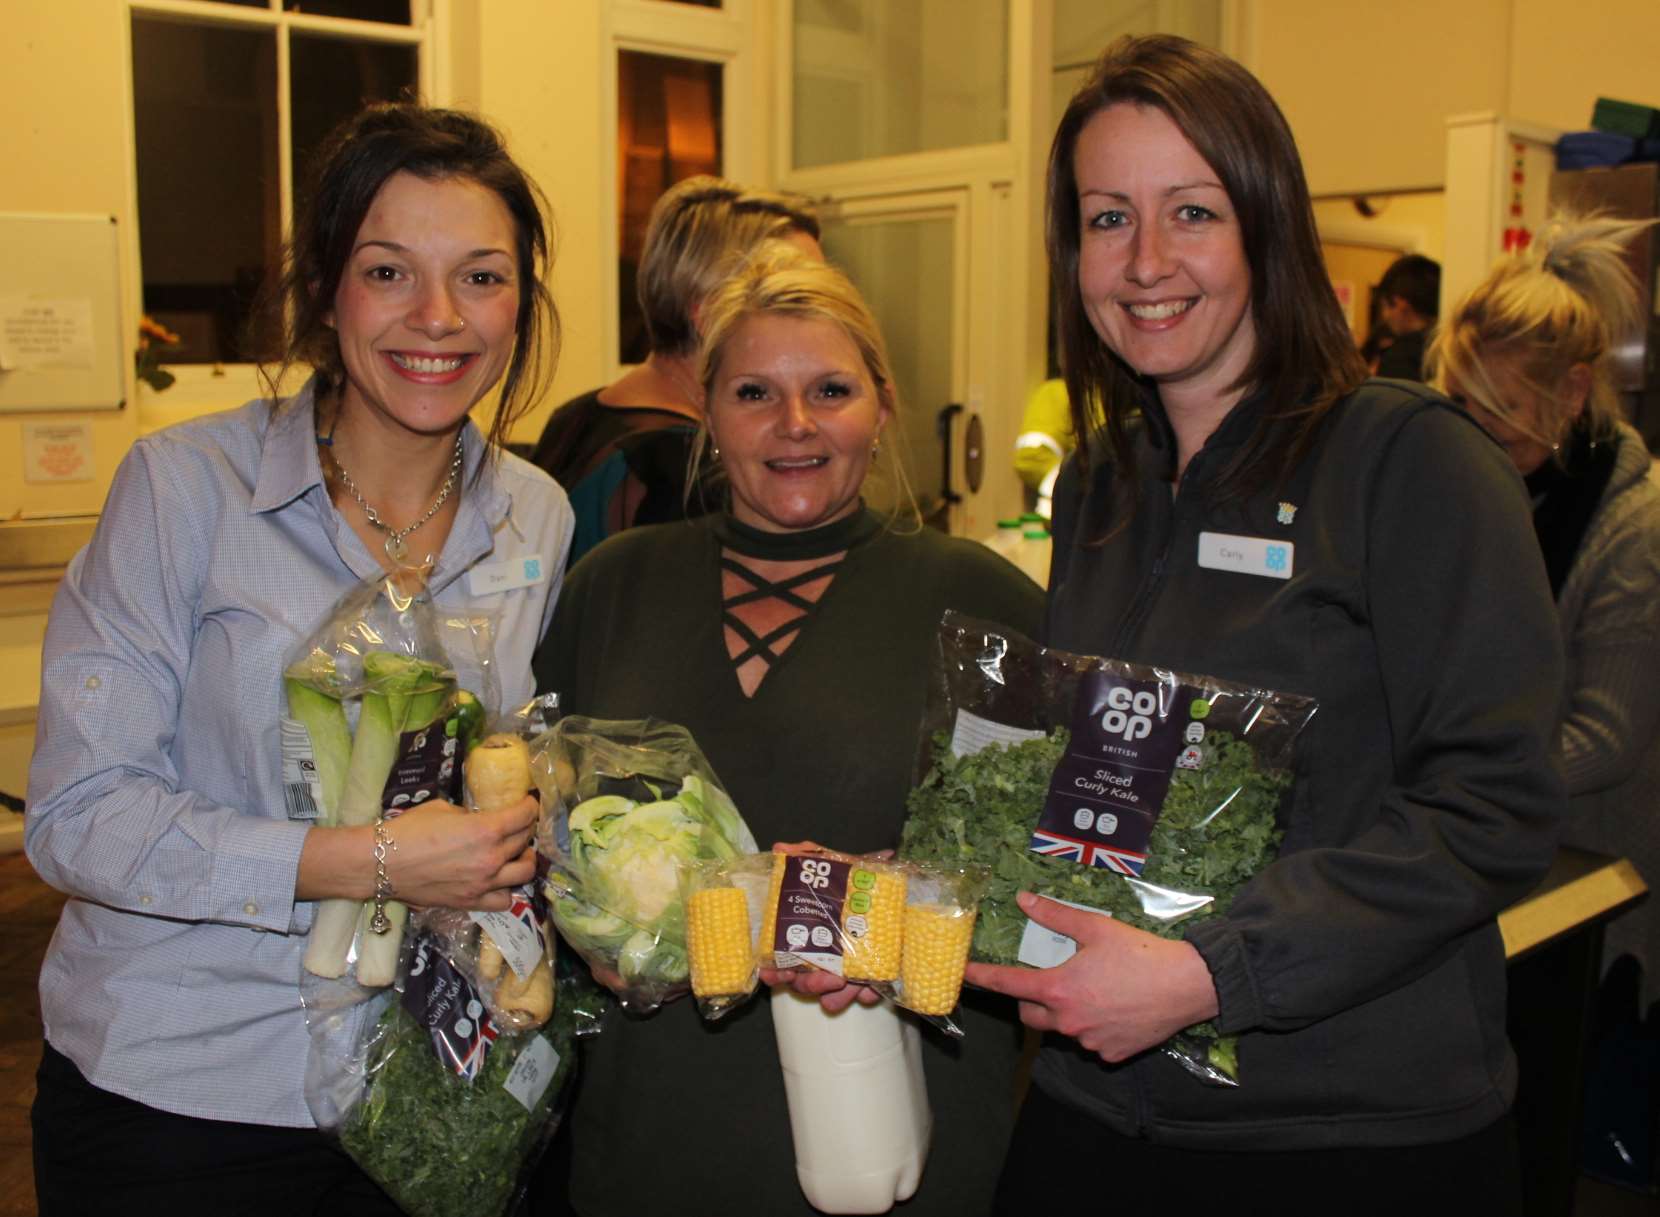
872 921
717 942
936 952
769 917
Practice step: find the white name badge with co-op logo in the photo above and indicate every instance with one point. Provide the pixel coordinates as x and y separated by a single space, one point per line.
1247 555
506 575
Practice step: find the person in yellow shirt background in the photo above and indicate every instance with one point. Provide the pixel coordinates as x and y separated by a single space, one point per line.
1044 440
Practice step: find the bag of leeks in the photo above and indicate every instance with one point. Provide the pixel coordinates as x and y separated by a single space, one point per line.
376 723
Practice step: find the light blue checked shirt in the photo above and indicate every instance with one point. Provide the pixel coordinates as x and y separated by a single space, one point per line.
155 794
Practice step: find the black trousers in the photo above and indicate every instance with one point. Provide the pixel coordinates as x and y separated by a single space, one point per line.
1061 1161
96 1153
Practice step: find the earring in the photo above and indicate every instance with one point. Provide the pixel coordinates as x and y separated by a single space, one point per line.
875 445
714 449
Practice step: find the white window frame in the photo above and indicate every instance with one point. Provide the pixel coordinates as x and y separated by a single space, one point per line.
727 36
201 387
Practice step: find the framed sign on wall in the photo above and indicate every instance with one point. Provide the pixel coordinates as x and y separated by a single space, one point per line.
61 339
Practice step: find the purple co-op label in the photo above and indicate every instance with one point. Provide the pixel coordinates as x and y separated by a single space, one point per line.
810 912
1128 737
428 766
439 996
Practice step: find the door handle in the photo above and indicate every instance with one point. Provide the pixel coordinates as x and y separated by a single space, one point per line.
946 414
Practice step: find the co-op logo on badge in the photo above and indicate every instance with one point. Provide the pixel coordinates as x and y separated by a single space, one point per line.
1129 714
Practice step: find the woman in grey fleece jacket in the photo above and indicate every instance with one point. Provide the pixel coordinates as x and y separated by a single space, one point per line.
1272 517
1529 352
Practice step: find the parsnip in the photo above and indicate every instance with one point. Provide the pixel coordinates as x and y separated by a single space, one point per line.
498 775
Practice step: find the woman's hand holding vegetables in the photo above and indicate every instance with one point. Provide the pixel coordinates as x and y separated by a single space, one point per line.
442 856
465 860
833 993
1124 991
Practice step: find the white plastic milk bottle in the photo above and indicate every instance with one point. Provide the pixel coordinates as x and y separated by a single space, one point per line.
858 1105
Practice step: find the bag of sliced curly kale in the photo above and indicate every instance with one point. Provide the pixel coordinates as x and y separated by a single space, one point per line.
453 1111
1136 791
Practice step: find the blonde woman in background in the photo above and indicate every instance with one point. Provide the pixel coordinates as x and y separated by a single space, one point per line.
622 451
1529 353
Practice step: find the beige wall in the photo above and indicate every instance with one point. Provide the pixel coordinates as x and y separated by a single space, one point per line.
1366 87
63 74
539 78
1563 57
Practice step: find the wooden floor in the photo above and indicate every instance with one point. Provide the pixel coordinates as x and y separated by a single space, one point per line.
28 911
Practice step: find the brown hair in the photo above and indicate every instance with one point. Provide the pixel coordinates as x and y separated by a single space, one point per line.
695 229
1305 357
1561 301
354 163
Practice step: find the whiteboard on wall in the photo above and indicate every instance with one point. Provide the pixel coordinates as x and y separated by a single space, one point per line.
61 341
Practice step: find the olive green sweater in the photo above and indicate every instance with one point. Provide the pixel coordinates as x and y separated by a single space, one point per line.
680 1116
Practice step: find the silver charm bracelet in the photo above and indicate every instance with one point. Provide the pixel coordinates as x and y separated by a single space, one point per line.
384 845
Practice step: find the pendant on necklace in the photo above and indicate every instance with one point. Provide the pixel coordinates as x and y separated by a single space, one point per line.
396 550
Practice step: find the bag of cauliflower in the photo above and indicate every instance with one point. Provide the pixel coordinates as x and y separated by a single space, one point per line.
625 804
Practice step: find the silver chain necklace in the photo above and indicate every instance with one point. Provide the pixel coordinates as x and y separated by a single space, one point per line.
395 548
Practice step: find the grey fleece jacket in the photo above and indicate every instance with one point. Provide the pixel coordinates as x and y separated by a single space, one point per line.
1363 969
1610 733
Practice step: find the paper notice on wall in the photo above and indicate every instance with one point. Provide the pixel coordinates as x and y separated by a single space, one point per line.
57 452
55 334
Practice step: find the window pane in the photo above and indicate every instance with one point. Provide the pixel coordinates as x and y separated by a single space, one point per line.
331 80
880 79
204 102
668 128
1083 28
395 12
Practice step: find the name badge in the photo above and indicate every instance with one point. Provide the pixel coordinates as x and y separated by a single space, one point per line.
1247 555
507 575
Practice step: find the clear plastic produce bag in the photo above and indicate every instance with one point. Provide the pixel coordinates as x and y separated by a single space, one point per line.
446 1086
377 723
624 805
452 1110
1135 791
901 928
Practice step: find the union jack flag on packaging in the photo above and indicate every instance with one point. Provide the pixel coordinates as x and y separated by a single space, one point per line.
1087 853
441 998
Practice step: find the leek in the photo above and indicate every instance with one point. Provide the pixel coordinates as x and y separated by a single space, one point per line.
403 695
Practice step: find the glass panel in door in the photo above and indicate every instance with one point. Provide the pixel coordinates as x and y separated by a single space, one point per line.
904 267
668 129
875 78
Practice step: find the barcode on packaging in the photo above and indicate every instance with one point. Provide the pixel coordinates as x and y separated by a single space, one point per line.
302 790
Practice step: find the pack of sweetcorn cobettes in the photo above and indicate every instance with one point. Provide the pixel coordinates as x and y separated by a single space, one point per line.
900 928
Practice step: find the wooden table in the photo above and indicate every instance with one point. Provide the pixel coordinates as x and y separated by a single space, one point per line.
1553 941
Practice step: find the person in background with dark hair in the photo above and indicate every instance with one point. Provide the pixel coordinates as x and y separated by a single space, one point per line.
1275 519
622 451
173 1075
1407 299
